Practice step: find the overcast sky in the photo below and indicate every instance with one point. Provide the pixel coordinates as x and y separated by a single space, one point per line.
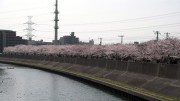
92 19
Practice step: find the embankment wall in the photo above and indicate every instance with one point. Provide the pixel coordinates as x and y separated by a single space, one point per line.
169 71
158 78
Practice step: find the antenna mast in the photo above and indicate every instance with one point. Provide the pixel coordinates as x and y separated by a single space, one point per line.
56 27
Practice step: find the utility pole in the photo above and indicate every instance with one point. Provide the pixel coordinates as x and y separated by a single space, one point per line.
167 35
56 27
29 29
121 38
100 41
157 33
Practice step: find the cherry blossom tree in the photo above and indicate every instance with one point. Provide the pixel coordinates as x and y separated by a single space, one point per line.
147 51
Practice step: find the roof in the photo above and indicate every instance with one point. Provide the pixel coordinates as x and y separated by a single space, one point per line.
2 30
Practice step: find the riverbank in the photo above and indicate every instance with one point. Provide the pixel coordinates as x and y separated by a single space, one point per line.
148 87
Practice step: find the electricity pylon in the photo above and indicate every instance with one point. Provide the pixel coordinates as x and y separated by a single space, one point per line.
100 41
167 35
29 28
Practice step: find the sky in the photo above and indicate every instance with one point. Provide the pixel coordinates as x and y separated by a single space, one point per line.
93 19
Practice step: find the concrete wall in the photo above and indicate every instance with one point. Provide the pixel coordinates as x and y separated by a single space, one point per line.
159 78
170 71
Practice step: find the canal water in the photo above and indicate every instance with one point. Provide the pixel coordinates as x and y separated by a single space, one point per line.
27 84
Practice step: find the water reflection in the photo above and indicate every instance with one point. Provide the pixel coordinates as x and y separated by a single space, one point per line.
26 84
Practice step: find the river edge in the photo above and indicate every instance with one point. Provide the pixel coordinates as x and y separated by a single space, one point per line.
56 67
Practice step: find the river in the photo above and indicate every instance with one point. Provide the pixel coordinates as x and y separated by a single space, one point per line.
27 84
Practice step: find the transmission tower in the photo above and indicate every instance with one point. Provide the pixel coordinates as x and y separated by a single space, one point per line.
121 38
56 27
157 33
29 28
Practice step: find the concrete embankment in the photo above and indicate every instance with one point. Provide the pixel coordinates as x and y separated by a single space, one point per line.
153 82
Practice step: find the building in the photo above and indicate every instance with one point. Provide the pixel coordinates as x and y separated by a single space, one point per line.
39 42
136 43
91 42
9 38
69 39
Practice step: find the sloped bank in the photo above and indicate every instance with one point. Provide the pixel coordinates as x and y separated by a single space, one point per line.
153 82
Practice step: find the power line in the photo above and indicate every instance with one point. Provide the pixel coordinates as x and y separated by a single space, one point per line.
117 30
137 28
17 17
44 24
122 21
50 31
124 29
175 32
19 10
126 20
142 18
43 31
18 24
